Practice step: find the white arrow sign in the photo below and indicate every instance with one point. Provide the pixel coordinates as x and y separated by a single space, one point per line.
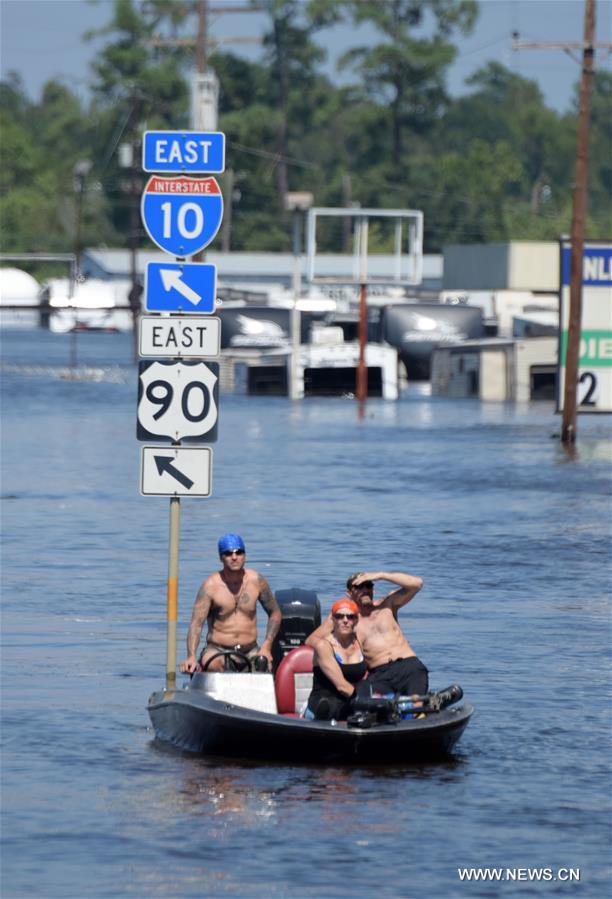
171 279
176 471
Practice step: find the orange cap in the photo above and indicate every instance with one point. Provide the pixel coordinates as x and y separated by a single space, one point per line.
345 604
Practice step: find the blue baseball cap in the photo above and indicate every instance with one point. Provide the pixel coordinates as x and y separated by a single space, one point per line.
230 541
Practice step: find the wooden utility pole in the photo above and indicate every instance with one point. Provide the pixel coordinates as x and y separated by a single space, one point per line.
572 353
201 44
202 39
588 46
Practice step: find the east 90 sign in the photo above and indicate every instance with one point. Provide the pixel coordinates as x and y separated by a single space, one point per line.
182 215
178 401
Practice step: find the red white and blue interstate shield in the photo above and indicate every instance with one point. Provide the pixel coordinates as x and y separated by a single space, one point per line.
182 215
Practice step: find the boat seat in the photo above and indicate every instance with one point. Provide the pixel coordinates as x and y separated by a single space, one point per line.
293 681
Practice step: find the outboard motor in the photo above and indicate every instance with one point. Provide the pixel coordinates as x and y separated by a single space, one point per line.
301 613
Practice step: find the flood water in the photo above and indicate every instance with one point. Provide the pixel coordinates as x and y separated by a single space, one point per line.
511 537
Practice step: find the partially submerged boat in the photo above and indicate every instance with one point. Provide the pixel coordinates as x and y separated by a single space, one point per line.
258 715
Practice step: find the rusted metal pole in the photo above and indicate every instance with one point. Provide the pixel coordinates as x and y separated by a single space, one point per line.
572 353
362 369
296 319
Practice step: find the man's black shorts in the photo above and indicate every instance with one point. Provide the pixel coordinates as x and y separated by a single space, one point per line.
405 676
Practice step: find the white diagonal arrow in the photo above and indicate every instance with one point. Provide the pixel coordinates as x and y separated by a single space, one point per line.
172 279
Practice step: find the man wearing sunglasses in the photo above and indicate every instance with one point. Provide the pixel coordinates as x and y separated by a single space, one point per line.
392 663
227 600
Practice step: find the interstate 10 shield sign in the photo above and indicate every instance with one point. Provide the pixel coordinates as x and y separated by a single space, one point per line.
182 215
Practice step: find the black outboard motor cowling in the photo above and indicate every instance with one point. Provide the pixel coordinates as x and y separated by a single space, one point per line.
301 612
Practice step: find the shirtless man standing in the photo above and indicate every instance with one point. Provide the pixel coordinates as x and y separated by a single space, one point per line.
228 600
392 663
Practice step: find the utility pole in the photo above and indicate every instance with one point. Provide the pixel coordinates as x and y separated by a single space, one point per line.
588 46
202 40
204 84
204 80
572 353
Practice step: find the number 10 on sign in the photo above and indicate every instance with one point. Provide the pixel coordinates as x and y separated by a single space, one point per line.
182 215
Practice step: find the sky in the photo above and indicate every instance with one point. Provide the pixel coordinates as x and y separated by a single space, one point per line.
42 39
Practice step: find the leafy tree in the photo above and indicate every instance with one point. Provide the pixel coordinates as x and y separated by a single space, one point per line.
405 71
600 156
492 165
41 144
292 58
133 84
507 108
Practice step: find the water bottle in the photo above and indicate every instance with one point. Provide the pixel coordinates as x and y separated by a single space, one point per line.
404 707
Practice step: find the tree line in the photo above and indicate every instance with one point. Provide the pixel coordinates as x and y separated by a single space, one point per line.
493 165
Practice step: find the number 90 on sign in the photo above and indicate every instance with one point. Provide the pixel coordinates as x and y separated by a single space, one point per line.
178 401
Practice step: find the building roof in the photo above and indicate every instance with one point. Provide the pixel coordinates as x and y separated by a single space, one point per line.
114 263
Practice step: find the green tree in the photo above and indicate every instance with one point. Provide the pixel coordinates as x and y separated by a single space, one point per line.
600 157
133 84
507 108
404 71
292 57
468 192
41 145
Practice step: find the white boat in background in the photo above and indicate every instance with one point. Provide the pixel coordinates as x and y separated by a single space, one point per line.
18 288
89 305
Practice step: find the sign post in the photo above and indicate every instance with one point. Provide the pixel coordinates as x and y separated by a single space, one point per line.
178 392
173 571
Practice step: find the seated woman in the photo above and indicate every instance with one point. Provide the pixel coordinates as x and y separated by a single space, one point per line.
338 664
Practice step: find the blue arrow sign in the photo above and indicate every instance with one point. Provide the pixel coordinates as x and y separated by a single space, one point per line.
183 151
181 215
176 287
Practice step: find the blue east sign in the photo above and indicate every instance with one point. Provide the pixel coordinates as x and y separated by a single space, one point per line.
181 215
180 287
195 152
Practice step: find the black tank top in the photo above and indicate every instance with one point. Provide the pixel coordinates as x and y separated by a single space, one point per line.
351 671
323 688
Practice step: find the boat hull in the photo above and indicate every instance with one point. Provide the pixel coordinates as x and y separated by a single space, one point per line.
194 721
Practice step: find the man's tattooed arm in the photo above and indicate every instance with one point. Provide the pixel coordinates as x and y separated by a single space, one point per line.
268 601
201 609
